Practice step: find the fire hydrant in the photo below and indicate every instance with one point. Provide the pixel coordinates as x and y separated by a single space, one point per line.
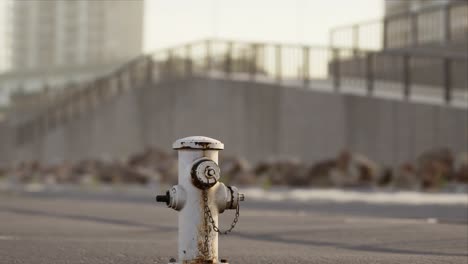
200 198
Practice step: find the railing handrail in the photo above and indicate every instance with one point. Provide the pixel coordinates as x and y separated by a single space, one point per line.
404 14
140 70
398 52
425 53
409 36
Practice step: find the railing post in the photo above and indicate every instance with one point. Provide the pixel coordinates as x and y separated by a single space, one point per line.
19 135
253 61
99 91
40 126
67 103
131 76
149 69
49 118
228 59
336 69
355 39
79 102
331 37
57 115
370 57
90 96
46 114
70 104
170 63
414 29
306 65
120 84
69 108
188 60
447 18
406 77
104 88
385 33
278 63
208 57
447 80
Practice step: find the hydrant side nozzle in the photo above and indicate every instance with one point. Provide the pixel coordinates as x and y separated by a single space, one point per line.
163 198
234 197
177 197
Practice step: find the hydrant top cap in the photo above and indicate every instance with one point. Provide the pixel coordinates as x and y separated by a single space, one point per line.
197 142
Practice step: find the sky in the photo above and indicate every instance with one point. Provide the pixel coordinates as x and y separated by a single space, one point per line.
170 22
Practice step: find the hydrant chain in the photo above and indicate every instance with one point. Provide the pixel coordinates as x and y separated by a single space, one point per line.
209 216
207 212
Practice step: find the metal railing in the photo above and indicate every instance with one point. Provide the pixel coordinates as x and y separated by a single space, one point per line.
430 27
336 69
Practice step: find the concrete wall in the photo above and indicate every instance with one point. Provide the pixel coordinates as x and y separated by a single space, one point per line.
258 121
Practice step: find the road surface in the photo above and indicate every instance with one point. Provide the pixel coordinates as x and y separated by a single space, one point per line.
44 228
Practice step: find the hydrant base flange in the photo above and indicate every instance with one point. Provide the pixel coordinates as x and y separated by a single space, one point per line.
197 263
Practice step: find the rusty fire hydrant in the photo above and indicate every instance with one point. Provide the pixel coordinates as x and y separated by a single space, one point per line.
200 198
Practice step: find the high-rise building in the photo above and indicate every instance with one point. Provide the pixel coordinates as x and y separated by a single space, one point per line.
50 34
401 6
435 24
4 36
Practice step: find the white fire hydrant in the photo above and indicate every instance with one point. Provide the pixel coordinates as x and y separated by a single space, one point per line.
200 198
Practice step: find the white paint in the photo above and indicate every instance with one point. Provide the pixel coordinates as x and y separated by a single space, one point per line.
342 196
191 216
308 21
8 238
188 199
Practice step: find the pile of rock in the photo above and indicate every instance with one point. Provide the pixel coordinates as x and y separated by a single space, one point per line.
160 164
346 170
236 171
431 170
461 165
141 168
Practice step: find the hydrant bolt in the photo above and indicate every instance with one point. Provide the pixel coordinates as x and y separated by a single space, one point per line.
163 198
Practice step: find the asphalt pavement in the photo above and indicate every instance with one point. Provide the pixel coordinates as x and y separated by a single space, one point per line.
76 227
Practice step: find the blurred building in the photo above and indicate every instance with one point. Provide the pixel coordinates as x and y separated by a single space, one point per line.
433 24
50 34
393 7
421 41
56 42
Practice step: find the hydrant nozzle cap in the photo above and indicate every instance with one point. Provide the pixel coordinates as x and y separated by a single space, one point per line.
197 142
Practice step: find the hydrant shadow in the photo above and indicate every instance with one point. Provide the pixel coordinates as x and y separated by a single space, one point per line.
88 218
277 238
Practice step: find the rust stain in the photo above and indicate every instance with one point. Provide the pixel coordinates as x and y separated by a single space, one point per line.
200 259
200 145
203 144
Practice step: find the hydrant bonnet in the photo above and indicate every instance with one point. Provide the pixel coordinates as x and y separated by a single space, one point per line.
198 142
